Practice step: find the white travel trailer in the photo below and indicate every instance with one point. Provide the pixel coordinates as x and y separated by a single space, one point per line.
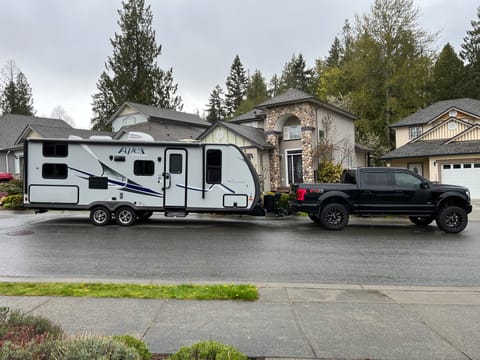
126 180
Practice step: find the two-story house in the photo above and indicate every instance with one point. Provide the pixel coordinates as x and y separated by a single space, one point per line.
442 143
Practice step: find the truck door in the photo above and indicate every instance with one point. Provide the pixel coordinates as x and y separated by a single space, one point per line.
175 179
413 192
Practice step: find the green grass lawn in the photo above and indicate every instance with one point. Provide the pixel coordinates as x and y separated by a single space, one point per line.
184 291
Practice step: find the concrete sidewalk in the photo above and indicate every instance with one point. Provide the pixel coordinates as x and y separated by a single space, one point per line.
289 321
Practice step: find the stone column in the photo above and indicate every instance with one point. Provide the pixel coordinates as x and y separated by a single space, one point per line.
272 139
308 154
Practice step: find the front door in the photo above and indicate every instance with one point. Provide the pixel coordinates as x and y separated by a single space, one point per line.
175 179
294 166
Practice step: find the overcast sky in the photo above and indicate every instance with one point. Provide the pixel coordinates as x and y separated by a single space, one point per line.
61 46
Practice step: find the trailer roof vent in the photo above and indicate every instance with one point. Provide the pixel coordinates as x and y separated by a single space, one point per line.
139 136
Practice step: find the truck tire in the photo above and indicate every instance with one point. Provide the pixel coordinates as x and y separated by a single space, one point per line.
334 216
421 220
100 216
125 216
452 219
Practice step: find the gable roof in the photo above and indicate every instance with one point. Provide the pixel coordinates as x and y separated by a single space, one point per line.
293 96
159 114
11 126
433 148
55 132
432 112
255 135
161 131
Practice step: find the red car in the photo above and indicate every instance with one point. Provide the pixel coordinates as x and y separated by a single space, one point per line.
4 176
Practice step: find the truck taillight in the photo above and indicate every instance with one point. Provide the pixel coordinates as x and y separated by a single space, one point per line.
301 194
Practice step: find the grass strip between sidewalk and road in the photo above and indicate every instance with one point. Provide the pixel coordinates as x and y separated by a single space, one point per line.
109 290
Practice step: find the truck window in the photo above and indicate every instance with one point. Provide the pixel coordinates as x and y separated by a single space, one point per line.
349 178
54 171
376 178
55 149
406 180
143 168
214 167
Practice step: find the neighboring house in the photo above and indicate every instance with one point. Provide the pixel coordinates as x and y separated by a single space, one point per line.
442 143
16 128
161 124
11 127
293 124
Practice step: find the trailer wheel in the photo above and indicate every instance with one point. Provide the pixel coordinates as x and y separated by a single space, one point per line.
100 216
452 219
125 216
334 216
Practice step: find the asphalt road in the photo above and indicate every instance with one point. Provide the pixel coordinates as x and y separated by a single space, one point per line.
208 248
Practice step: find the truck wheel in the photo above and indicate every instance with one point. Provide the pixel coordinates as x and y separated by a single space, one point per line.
125 216
452 219
421 220
334 216
100 216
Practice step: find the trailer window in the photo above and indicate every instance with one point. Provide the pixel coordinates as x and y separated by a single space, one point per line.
54 149
54 171
143 168
214 167
175 162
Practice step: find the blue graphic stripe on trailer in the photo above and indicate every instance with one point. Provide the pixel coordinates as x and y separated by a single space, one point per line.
208 190
126 186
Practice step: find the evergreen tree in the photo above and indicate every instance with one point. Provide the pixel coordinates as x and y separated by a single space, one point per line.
132 72
387 67
274 86
16 95
447 76
335 54
256 93
471 55
296 75
236 85
216 106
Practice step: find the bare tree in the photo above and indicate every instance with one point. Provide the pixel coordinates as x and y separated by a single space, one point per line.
59 112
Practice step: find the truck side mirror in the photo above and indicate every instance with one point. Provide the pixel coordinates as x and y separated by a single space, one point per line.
424 185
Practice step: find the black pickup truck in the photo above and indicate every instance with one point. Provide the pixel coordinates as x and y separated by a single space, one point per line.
381 191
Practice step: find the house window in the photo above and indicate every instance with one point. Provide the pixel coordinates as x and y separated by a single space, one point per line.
54 149
415 131
54 171
143 167
214 167
292 132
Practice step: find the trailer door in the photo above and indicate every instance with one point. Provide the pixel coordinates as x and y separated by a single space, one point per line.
175 179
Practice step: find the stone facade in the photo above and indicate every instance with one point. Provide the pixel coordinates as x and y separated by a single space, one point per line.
275 119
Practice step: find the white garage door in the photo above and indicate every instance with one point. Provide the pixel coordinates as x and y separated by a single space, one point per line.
466 174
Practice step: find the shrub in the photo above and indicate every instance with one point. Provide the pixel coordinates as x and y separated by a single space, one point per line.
92 348
328 172
12 201
208 350
138 345
12 187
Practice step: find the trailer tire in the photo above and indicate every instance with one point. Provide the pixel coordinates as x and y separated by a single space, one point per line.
334 216
125 216
452 219
144 215
100 216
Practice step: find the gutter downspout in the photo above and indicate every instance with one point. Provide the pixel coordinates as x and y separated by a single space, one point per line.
6 160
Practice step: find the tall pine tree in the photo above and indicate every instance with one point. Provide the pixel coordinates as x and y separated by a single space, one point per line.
296 75
216 105
447 76
132 72
471 56
16 93
256 93
236 85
